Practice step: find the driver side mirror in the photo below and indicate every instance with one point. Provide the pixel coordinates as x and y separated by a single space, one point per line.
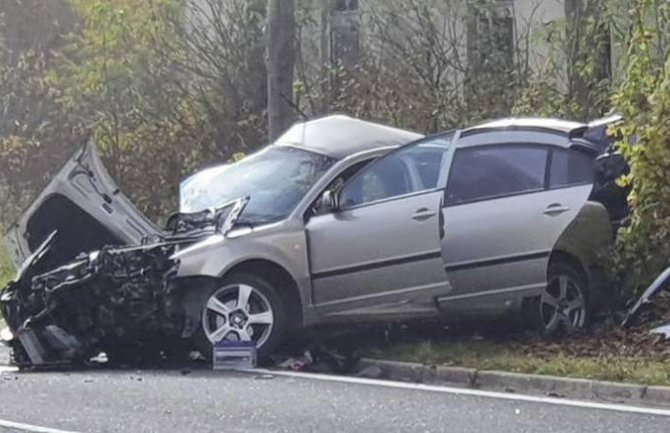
329 202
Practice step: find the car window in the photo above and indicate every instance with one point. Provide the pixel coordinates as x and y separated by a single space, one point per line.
336 184
426 161
487 172
570 167
412 169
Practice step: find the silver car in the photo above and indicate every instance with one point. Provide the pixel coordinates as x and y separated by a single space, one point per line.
344 221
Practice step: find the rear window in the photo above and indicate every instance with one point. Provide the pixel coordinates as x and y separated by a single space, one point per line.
487 172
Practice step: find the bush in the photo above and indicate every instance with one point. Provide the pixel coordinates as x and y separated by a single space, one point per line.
643 247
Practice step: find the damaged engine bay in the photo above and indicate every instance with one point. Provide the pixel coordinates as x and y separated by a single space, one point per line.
114 301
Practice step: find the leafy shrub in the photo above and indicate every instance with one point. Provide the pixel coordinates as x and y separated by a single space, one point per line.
643 247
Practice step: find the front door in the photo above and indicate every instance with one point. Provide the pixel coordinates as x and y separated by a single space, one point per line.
381 252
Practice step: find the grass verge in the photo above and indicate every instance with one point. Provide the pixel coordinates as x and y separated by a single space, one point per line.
487 355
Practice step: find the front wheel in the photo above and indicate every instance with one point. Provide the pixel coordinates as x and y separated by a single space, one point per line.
243 308
563 305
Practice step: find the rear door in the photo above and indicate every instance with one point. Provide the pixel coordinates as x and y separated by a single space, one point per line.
503 218
84 205
381 252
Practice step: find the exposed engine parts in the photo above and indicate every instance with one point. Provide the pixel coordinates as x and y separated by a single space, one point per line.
94 304
121 300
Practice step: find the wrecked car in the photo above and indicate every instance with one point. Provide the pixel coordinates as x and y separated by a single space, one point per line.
339 221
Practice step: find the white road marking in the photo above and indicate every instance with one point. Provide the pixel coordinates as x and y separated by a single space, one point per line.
470 392
30 428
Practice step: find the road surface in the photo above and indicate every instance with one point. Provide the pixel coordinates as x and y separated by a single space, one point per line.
207 401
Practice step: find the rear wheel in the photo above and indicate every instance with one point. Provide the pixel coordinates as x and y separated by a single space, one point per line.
563 305
243 308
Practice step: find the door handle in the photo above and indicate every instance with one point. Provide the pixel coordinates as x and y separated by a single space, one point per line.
555 209
423 214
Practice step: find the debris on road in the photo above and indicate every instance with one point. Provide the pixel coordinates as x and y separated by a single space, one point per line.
371 372
297 364
234 355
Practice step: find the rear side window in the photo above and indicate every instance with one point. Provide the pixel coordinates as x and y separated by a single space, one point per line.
570 167
488 172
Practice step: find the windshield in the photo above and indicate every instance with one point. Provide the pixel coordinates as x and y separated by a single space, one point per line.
276 179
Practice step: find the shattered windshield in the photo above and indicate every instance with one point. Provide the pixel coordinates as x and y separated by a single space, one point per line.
276 179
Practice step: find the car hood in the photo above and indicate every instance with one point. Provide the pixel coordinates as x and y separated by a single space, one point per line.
86 209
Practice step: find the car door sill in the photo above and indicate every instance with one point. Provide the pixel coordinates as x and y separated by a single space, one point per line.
528 287
426 287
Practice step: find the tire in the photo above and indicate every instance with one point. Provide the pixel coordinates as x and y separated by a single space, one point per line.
564 305
250 323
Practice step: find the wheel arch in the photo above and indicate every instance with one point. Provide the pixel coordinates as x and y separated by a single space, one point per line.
277 275
562 256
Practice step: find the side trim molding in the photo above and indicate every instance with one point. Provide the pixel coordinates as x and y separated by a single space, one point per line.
497 261
376 265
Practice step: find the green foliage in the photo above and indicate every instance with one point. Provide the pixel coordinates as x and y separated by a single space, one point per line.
644 99
6 268
117 86
161 94
574 80
36 134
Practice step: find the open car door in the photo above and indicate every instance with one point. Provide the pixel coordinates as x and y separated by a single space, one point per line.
83 204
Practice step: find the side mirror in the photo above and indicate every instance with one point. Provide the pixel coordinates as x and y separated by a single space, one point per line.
329 202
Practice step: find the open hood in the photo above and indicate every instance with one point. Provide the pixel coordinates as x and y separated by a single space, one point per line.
86 209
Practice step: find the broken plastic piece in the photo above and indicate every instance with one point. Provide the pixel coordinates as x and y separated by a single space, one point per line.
32 346
662 330
656 286
297 364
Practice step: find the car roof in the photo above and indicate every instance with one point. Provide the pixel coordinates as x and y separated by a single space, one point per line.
557 126
340 136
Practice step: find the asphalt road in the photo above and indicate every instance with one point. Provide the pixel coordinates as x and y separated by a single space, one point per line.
206 401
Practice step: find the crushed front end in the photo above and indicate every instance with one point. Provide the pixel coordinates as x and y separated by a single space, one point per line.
107 301
125 301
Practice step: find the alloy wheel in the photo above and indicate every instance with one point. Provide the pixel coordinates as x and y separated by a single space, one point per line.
238 312
562 305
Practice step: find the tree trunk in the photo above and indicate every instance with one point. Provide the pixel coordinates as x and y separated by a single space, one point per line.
280 45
